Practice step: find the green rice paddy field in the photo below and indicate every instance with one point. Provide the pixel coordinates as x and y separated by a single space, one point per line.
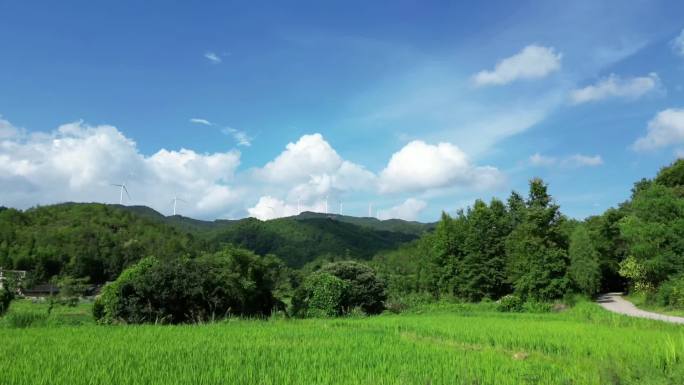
450 344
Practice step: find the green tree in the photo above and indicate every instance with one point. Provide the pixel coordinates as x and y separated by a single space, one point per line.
230 282
364 290
653 231
536 249
584 265
321 295
481 271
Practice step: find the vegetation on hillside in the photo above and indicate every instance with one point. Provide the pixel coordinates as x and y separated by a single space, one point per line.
523 249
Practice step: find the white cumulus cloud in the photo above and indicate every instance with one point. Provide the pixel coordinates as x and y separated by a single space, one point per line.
614 86
7 130
308 171
664 130
419 166
532 62
408 210
78 162
269 207
311 160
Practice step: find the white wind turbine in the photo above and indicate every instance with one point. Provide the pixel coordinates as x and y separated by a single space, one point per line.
122 188
175 200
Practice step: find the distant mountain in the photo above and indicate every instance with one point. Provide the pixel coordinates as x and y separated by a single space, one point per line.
190 224
298 240
99 240
302 238
393 225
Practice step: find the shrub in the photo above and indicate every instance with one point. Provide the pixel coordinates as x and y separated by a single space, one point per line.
337 289
365 289
510 303
671 293
6 297
230 282
321 295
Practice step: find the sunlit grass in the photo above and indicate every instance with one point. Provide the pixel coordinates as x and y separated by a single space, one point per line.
640 301
447 345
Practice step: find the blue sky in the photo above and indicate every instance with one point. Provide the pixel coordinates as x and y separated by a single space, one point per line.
413 107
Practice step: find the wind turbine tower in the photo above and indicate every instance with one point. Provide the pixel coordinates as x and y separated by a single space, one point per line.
175 201
123 188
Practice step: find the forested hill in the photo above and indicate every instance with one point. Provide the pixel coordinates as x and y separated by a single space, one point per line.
192 225
98 241
299 239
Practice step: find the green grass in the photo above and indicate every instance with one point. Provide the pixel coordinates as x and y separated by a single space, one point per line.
446 344
26 313
640 301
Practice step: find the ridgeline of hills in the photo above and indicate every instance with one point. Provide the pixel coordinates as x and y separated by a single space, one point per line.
100 240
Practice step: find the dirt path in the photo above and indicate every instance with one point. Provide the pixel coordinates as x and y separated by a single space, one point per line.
615 303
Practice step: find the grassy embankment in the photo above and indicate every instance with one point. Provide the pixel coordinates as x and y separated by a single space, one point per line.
451 344
640 301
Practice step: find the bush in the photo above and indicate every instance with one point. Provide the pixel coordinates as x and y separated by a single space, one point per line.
321 295
337 289
510 303
230 282
6 297
671 293
365 289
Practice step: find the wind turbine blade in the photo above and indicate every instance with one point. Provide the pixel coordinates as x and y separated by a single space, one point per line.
126 190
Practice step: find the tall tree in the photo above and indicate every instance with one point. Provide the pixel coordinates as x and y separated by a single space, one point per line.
536 248
481 272
584 262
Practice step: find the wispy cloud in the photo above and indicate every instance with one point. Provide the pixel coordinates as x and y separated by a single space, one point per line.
678 44
213 57
576 160
240 137
614 86
532 62
201 121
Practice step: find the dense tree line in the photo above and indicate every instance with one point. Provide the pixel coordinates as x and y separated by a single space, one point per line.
526 247
487 251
